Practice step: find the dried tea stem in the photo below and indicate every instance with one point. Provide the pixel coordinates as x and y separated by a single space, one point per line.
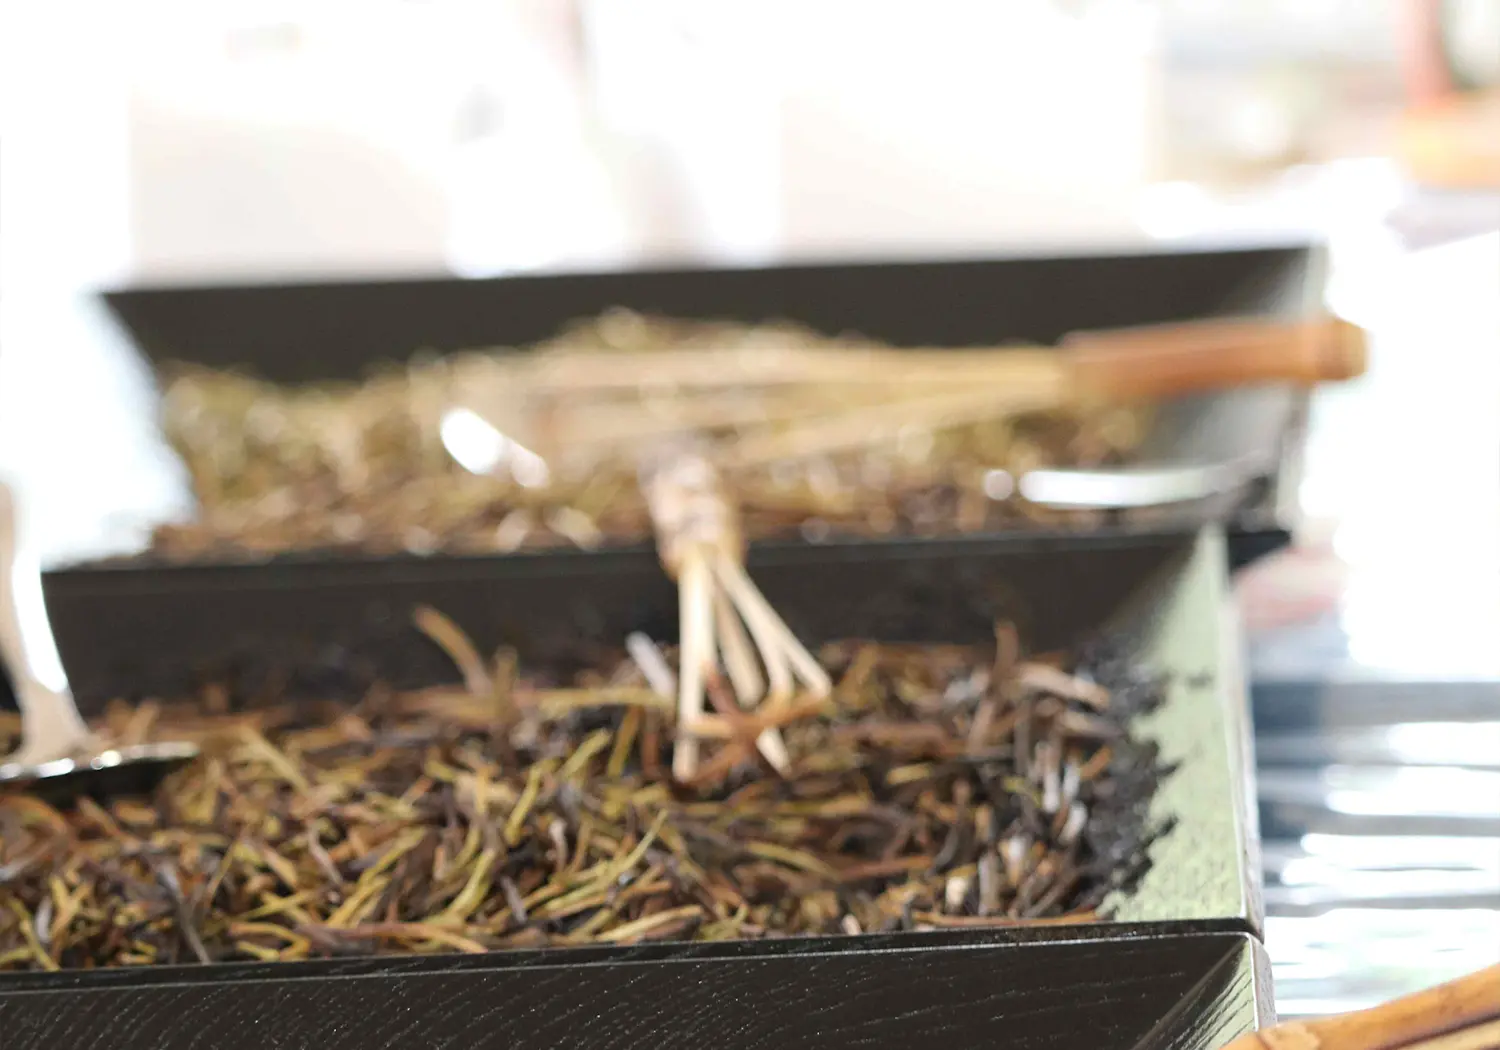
833 435
936 787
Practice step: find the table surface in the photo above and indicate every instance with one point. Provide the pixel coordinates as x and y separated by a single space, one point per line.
1373 655
1376 674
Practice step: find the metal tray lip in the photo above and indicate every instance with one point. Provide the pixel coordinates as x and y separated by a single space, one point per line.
1281 508
607 957
566 560
1252 534
1229 243
1283 505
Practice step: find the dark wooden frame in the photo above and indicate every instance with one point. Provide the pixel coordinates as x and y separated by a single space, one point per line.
1131 988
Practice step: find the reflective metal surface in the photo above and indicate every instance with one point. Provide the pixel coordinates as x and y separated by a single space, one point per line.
1147 486
58 770
1375 648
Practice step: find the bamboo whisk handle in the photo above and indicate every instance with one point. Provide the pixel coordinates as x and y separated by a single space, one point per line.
689 508
1161 361
1461 1015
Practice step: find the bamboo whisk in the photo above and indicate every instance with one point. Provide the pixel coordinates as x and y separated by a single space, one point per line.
699 540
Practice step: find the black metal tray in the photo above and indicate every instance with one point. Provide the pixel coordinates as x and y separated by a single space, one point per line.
301 332
1178 966
339 329
1140 988
170 628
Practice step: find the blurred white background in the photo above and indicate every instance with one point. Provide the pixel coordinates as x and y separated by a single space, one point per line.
171 141
163 140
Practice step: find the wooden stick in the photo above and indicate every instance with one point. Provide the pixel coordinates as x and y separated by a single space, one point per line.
616 422
1186 355
716 727
738 653
1161 361
961 388
851 372
1485 1036
860 427
778 666
652 664
696 625
745 678
1461 1015
819 401
687 369
759 614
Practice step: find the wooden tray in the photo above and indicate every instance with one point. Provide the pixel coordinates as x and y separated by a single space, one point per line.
1138 988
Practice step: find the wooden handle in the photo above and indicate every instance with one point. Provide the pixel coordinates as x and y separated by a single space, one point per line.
1159 361
1460 1015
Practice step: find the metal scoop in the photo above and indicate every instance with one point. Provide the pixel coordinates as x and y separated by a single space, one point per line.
58 755
1122 488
